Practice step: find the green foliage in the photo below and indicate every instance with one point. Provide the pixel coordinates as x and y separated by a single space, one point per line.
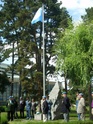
15 25
3 108
4 81
88 17
73 119
38 77
1 49
75 55
3 118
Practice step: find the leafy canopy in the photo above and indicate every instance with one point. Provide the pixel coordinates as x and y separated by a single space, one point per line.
74 51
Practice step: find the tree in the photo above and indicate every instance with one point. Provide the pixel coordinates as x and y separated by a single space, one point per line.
88 16
75 57
16 27
88 20
56 19
4 81
1 49
74 51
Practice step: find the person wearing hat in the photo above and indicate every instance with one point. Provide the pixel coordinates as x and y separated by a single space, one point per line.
65 106
45 109
81 107
10 109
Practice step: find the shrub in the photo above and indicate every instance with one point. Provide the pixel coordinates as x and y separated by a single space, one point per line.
3 118
2 108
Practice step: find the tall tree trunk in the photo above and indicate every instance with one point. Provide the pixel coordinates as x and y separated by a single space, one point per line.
12 81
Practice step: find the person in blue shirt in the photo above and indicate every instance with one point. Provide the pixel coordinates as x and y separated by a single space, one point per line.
28 108
49 107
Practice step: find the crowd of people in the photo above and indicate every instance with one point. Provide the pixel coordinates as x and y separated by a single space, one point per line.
80 106
31 107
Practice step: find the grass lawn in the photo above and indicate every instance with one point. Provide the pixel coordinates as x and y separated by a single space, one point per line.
49 122
73 120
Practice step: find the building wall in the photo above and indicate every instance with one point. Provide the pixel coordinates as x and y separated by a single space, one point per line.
5 96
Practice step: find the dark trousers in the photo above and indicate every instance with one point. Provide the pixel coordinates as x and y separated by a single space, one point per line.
10 115
15 113
33 112
49 114
22 113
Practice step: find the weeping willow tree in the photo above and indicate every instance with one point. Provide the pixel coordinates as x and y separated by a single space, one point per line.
74 52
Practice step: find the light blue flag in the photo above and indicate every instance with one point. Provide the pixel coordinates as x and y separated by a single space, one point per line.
37 17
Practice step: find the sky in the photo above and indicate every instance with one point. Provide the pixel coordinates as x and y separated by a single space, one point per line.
76 8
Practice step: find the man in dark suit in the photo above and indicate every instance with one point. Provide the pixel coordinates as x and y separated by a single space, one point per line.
65 106
45 109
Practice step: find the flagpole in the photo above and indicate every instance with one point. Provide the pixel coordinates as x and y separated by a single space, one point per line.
43 49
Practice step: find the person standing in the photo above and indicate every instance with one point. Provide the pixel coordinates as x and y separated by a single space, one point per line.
41 107
28 108
65 106
45 109
15 107
49 107
21 107
81 107
10 109
77 101
33 108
